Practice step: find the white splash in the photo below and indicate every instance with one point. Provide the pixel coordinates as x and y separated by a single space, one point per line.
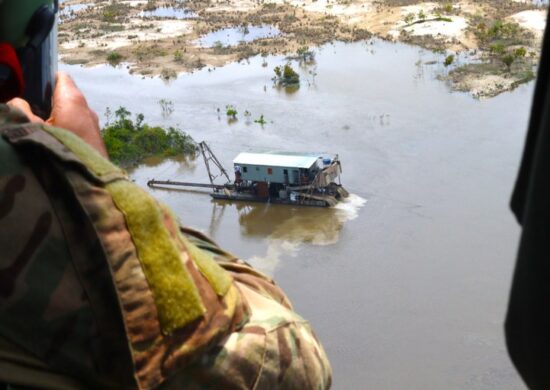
350 207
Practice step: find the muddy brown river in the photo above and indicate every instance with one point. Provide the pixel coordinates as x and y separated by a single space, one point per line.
406 283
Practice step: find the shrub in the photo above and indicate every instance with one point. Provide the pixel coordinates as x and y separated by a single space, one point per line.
128 142
231 111
286 76
520 52
497 48
449 60
114 58
167 74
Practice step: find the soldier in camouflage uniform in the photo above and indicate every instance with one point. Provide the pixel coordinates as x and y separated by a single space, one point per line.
100 287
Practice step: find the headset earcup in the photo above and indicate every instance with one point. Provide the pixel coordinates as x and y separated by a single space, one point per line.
12 83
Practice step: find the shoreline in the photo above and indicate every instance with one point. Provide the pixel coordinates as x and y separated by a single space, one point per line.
166 45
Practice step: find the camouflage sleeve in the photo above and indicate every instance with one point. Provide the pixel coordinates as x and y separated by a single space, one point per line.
276 348
44 310
241 271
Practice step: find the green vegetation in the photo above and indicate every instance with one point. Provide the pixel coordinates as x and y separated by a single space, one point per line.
504 54
446 9
412 19
168 74
231 112
130 142
219 48
261 120
148 51
508 60
497 48
178 56
115 11
498 31
501 40
520 52
107 27
511 56
286 76
409 19
449 60
167 107
114 58
305 54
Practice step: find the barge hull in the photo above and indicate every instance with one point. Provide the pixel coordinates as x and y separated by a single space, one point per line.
250 198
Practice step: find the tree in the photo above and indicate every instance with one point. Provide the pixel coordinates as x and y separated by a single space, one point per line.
508 60
122 113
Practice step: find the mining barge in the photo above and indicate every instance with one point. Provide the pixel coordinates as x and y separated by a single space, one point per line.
305 179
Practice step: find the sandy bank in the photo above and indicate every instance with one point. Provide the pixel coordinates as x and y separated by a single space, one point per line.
119 31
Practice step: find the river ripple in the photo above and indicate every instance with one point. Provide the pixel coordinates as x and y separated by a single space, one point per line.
407 283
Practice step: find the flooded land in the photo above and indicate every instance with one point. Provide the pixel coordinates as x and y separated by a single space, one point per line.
499 38
407 282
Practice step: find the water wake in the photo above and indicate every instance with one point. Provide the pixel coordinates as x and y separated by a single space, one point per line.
307 227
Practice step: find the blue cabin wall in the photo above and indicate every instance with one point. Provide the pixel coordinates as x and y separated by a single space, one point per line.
261 173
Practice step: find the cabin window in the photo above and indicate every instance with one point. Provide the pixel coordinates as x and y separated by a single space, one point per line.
257 168
269 171
245 169
285 171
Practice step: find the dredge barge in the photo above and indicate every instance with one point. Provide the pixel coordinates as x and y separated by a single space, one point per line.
306 179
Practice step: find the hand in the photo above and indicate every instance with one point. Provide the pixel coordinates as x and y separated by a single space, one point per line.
70 111
22 105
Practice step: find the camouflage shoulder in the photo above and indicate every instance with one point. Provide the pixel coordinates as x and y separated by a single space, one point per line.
240 270
276 349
